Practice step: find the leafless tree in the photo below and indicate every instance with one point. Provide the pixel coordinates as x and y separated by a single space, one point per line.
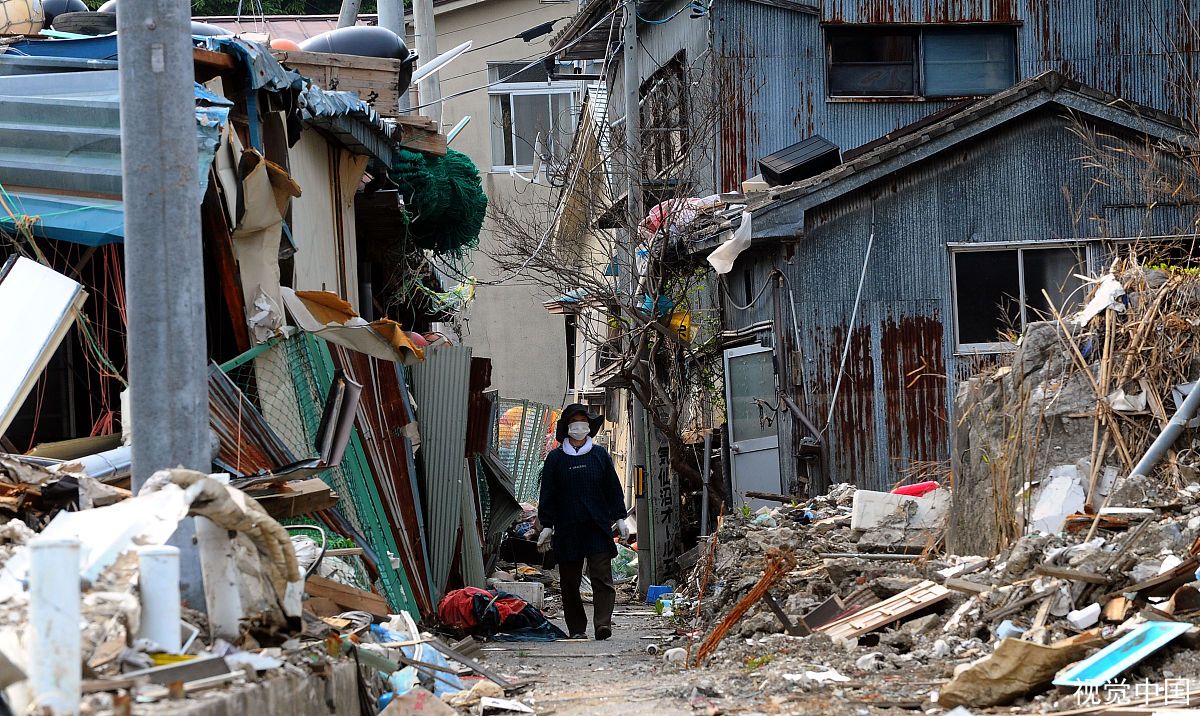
649 303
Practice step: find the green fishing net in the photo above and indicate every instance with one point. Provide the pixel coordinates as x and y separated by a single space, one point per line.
444 199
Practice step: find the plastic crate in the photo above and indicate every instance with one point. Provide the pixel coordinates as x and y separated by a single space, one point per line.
532 592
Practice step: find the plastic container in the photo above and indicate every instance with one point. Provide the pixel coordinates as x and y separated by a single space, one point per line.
654 591
532 592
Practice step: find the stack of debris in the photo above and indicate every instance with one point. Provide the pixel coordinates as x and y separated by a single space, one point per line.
1085 572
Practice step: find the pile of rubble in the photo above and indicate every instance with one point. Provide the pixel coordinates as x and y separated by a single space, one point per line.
1084 594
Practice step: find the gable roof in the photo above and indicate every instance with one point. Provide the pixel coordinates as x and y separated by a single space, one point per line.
778 211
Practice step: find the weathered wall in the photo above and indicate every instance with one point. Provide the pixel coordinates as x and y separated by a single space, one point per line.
893 407
773 59
506 323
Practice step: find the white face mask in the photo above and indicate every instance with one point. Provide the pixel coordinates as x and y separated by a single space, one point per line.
579 431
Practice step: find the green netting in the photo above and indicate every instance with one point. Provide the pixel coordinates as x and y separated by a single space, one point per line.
288 380
444 200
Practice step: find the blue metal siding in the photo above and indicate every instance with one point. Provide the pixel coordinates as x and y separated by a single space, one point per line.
769 64
893 407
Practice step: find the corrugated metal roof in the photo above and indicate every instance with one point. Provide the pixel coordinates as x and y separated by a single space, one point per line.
442 383
61 134
296 28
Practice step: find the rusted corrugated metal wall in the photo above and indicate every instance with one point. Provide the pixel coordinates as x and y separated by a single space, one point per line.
892 410
770 61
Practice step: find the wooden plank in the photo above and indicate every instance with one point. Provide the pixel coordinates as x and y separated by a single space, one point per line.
208 64
322 607
328 59
967 586
1164 584
911 600
1074 575
300 497
349 598
218 242
419 140
772 497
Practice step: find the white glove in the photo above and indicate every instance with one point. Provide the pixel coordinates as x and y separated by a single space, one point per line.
543 541
623 527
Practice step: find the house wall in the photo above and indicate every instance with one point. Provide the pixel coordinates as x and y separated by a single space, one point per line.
506 322
1020 183
322 224
771 62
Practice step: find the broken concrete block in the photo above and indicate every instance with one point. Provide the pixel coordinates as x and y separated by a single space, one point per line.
1062 495
875 509
1086 617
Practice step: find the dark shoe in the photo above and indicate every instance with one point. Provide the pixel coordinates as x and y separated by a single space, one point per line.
603 633
578 635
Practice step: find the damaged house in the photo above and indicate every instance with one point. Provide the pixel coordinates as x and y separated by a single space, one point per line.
315 237
944 136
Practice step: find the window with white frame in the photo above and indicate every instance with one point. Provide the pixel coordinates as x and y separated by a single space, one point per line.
526 104
997 291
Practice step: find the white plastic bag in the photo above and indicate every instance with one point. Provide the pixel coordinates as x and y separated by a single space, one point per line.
723 256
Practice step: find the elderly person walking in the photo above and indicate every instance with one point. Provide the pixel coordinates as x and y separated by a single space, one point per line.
581 499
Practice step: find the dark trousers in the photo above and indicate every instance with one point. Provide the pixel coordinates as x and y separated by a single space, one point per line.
604 592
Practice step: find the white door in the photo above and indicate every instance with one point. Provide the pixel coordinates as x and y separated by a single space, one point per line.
754 446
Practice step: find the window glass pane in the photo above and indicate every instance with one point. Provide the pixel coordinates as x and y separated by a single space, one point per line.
968 61
750 376
987 289
563 125
1052 270
531 116
872 62
512 72
502 148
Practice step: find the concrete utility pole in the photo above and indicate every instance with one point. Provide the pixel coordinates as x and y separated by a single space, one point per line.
640 457
391 17
168 381
430 89
348 16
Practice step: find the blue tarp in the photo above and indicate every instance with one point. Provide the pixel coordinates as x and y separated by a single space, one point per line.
80 220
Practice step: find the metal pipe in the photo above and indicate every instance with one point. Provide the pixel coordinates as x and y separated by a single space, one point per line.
704 474
158 585
55 670
168 377
348 13
425 37
107 465
1169 434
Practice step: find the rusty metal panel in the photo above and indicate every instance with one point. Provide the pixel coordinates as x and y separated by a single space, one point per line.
919 11
248 445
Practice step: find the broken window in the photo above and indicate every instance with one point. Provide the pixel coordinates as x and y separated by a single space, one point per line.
664 119
997 292
526 106
920 61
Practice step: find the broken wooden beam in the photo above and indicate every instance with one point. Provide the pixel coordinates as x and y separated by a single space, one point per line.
346 597
299 497
1072 575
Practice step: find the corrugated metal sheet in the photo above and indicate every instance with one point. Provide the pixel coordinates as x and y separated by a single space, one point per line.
61 133
892 412
771 64
523 437
248 445
382 415
442 383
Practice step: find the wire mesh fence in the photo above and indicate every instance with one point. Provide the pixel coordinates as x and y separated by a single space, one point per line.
288 379
523 436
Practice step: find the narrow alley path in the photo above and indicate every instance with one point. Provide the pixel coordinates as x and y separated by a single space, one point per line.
616 676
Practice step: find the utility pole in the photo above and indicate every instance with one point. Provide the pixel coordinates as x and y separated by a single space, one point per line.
391 17
168 381
640 456
430 89
348 15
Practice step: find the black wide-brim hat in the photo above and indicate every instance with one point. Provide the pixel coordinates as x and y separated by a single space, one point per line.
564 419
